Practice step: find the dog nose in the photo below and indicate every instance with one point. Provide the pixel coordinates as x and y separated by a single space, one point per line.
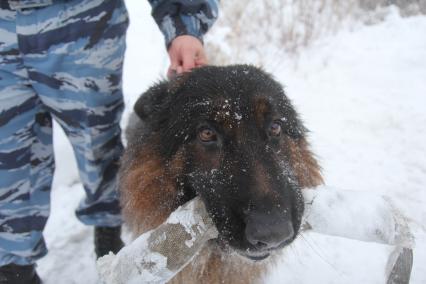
264 232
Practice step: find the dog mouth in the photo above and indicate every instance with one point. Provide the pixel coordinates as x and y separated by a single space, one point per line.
255 255
251 253
238 244
261 254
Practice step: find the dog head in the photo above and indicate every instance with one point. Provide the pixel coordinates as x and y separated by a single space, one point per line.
240 146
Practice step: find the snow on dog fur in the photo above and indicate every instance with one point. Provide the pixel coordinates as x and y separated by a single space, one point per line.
231 136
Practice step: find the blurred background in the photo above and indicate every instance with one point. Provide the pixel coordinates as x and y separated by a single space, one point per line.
355 70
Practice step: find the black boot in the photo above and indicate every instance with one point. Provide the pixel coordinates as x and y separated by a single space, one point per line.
19 274
107 239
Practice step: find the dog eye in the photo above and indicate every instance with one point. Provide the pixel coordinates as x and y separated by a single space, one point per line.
207 135
275 129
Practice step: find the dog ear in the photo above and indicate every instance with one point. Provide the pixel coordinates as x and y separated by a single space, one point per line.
158 97
151 101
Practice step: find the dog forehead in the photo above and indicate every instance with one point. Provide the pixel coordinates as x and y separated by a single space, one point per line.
231 112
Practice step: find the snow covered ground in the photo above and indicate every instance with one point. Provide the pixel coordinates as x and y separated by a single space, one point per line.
362 93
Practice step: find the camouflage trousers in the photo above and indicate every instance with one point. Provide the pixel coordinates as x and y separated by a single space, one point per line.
63 62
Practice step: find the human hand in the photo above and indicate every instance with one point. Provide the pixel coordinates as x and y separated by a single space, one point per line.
185 52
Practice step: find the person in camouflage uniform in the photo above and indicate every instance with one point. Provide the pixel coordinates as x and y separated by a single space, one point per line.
62 60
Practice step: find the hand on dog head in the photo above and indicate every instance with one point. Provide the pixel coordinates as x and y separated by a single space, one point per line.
240 146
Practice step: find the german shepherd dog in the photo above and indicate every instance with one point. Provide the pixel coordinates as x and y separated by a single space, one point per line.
231 136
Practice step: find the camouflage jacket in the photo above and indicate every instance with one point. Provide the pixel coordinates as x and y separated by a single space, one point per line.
174 17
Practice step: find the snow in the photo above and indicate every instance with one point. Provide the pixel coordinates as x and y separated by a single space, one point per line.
360 92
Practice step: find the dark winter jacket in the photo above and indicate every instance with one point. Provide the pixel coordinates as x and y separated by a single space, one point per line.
184 17
174 17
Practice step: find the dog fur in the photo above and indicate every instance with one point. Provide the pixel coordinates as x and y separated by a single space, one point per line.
166 163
